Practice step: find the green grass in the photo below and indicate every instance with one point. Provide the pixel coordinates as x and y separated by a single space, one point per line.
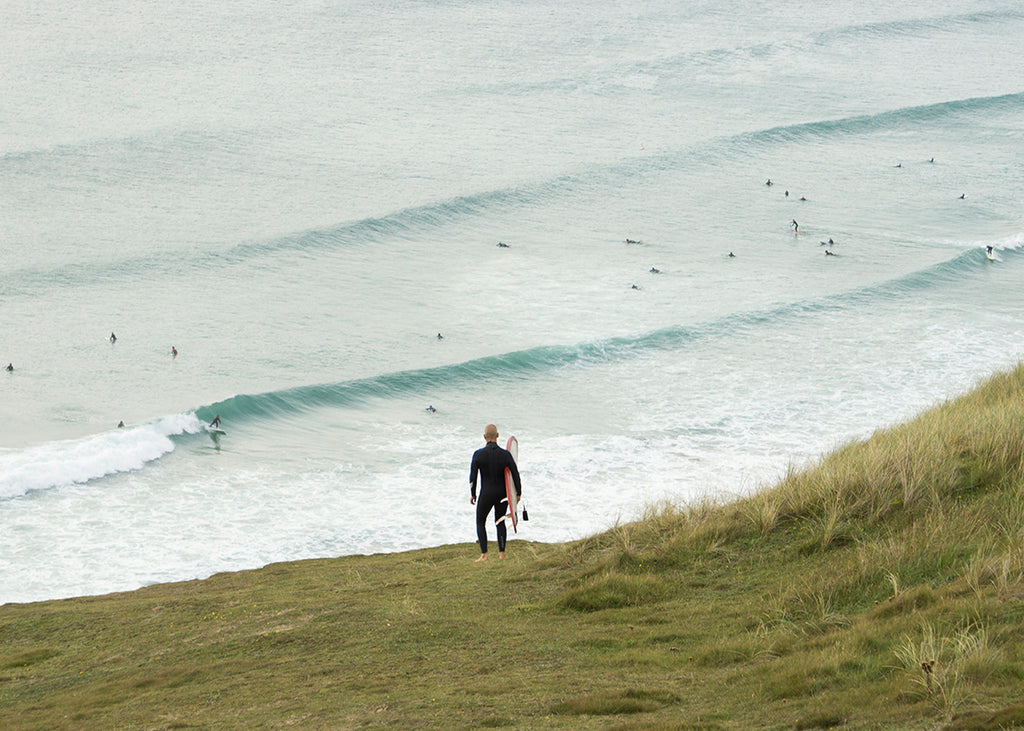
881 588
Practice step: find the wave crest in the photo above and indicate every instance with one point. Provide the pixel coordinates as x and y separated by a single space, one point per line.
59 464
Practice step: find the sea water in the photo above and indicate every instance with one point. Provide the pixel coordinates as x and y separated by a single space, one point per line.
300 198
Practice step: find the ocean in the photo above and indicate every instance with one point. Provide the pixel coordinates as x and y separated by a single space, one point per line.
278 208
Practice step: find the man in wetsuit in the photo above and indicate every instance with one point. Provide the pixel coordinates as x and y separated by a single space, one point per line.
490 462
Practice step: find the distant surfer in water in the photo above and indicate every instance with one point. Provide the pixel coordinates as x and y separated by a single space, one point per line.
502 245
796 226
120 425
440 336
431 409
113 338
216 422
174 352
10 368
490 462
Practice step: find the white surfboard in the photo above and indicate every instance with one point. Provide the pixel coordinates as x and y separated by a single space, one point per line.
510 486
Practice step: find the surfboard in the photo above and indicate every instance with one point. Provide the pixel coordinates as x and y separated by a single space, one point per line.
990 254
510 486
214 430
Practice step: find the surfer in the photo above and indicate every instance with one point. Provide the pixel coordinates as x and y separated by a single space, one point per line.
732 255
655 270
769 182
963 196
502 245
796 226
635 287
431 409
490 462
632 241
829 253
216 422
120 425
113 338
10 368
174 352
440 336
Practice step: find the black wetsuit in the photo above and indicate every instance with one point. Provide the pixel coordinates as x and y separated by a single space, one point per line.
490 461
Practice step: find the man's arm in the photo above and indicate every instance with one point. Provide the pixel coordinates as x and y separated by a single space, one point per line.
474 468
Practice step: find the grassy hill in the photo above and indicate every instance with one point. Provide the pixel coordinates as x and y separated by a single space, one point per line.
881 588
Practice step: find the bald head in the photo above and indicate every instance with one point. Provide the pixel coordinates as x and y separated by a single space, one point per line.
491 433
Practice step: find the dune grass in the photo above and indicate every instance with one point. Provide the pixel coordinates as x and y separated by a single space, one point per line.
880 588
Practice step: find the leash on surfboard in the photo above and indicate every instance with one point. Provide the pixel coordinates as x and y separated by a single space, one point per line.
508 516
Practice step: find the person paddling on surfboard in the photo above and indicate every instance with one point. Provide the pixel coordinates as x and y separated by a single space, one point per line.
490 462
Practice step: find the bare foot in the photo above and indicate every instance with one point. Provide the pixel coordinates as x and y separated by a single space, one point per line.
483 557
501 555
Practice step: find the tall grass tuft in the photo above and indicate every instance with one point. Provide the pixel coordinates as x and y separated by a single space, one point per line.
943 668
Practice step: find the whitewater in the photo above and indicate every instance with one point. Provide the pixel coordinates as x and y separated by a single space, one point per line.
359 233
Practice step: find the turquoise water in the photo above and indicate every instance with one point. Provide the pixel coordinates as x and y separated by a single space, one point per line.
299 199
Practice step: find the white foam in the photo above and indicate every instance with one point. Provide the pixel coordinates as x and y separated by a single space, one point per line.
62 463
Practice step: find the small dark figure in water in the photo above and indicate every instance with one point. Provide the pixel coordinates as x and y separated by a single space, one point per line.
829 253
769 182
732 255
803 198
963 196
796 226
216 421
113 338
174 352
120 425
635 287
932 160
631 241
440 336
787 194
10 368
655 270
502 245
899 164
431 409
